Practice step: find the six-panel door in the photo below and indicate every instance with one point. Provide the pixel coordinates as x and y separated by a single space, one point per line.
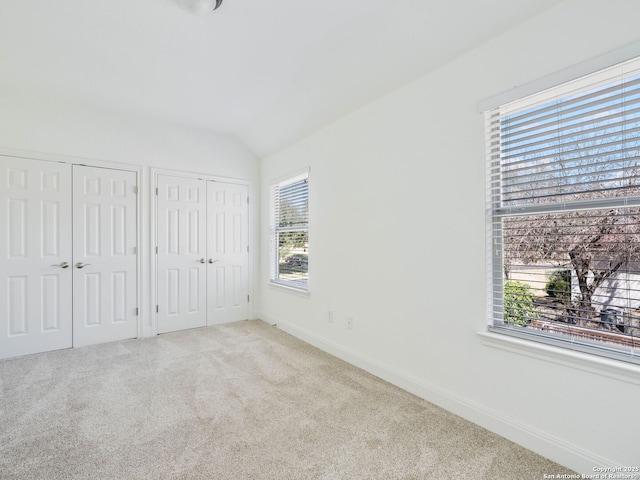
104 255
181 258
227 251
35 256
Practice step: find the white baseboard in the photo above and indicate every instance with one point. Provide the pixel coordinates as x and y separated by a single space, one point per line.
549 446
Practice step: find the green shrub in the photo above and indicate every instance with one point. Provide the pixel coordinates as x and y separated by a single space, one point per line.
559 285
519 307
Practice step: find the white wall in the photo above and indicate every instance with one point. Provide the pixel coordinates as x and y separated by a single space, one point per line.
397 241
41 126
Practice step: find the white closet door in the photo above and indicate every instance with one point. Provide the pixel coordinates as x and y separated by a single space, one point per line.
181 262
104 255
227 249
35 254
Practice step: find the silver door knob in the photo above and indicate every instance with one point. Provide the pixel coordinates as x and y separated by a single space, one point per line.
81 265
211 260
201 260
61 265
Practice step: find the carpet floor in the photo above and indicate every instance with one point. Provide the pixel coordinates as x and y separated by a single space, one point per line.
237 401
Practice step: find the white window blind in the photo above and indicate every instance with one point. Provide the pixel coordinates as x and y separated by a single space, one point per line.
289 227
563 183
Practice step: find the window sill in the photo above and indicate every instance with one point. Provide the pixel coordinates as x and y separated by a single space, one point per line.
292 290
598 365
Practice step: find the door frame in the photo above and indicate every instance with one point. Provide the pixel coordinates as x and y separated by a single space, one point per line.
140 220
153 226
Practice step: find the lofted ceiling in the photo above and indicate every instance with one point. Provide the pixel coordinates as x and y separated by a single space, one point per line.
268 72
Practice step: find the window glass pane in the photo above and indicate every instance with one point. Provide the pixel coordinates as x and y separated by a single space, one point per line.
585 145
293 257
293 205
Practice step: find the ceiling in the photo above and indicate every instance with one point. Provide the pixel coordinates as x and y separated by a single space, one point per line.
268 72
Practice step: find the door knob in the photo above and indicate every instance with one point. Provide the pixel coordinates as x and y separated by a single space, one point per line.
201 260
81 265
61 265
211 260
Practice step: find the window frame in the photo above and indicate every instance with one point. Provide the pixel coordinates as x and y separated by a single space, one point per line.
495 212
295 286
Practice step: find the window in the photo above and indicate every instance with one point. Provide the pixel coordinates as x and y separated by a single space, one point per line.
289 228
563 194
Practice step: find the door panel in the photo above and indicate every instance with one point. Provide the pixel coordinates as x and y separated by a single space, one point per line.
35 289
228 257
181 255
104 257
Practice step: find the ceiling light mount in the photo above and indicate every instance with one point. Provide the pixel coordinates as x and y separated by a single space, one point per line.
202 7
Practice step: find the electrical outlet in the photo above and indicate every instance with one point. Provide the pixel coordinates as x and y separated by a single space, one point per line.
350 323
330 316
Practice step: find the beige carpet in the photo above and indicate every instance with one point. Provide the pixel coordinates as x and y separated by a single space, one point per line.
238 401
